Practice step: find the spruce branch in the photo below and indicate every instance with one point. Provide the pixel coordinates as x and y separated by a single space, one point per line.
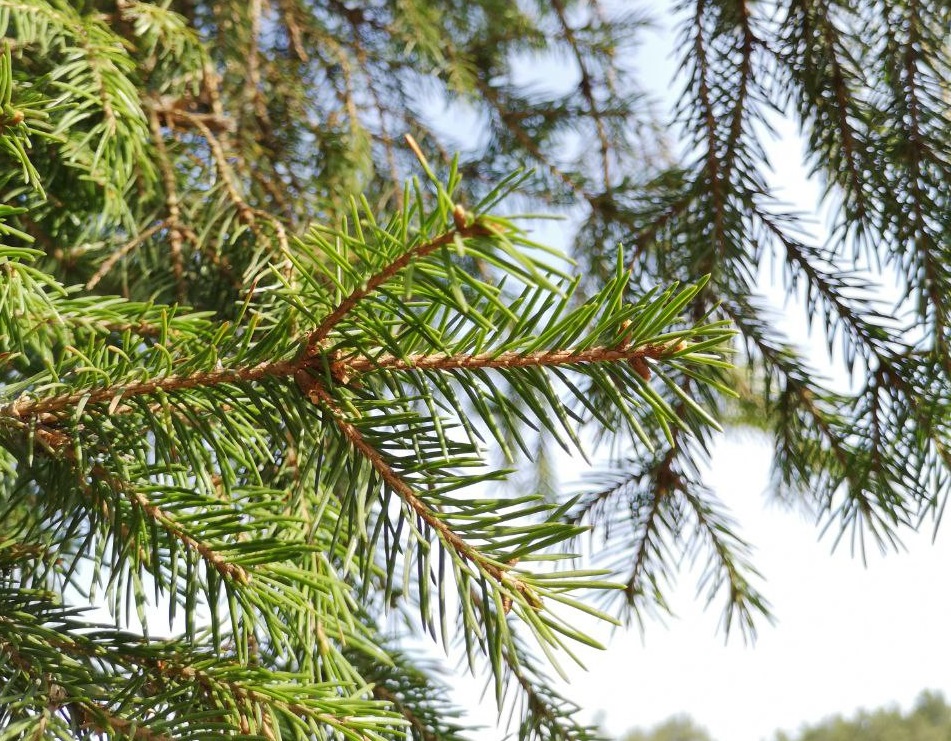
175 237
740 112
96 717
587 86
713 178
545 712
649 545
508 116
319 395
225 173
26 407
227 569
826 99
344 369
172 208
463 231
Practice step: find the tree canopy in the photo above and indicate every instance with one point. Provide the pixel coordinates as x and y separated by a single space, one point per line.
678 728
279 357
928 720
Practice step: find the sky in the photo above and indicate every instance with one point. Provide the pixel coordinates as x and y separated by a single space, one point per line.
847 635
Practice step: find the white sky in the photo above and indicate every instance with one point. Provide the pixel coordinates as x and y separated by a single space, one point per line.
847 636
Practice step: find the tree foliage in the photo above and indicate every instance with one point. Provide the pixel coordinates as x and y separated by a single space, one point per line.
678 728
270 366
928 720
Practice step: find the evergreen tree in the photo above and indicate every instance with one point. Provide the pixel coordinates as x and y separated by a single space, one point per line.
928 720
677 728
270 365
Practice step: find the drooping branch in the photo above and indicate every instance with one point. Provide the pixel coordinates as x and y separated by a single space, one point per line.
709 124
741 107
319 395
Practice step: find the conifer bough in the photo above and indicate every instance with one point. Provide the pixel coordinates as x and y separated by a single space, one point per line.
293 426
303 456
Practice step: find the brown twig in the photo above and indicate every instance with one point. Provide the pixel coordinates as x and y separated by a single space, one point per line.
124 250
344 307
288 12
245 212
176 235
342 369
321 397
345 369
26 408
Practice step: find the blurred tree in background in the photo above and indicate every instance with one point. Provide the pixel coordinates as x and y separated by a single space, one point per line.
928 720
678 728
269 366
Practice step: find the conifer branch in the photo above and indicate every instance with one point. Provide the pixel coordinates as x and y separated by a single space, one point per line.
228 570
648 537
310 443
464 231
46 409
850 150
508 117
96 717
240 692
587 90
225 173
743 90
346 368
416 723
86 712
172 209
124 250
246 213
320 396
714 180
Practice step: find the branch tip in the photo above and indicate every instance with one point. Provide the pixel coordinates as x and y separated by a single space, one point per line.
414 146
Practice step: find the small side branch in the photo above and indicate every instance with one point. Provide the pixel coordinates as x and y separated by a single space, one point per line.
400 263
176 233
321 397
